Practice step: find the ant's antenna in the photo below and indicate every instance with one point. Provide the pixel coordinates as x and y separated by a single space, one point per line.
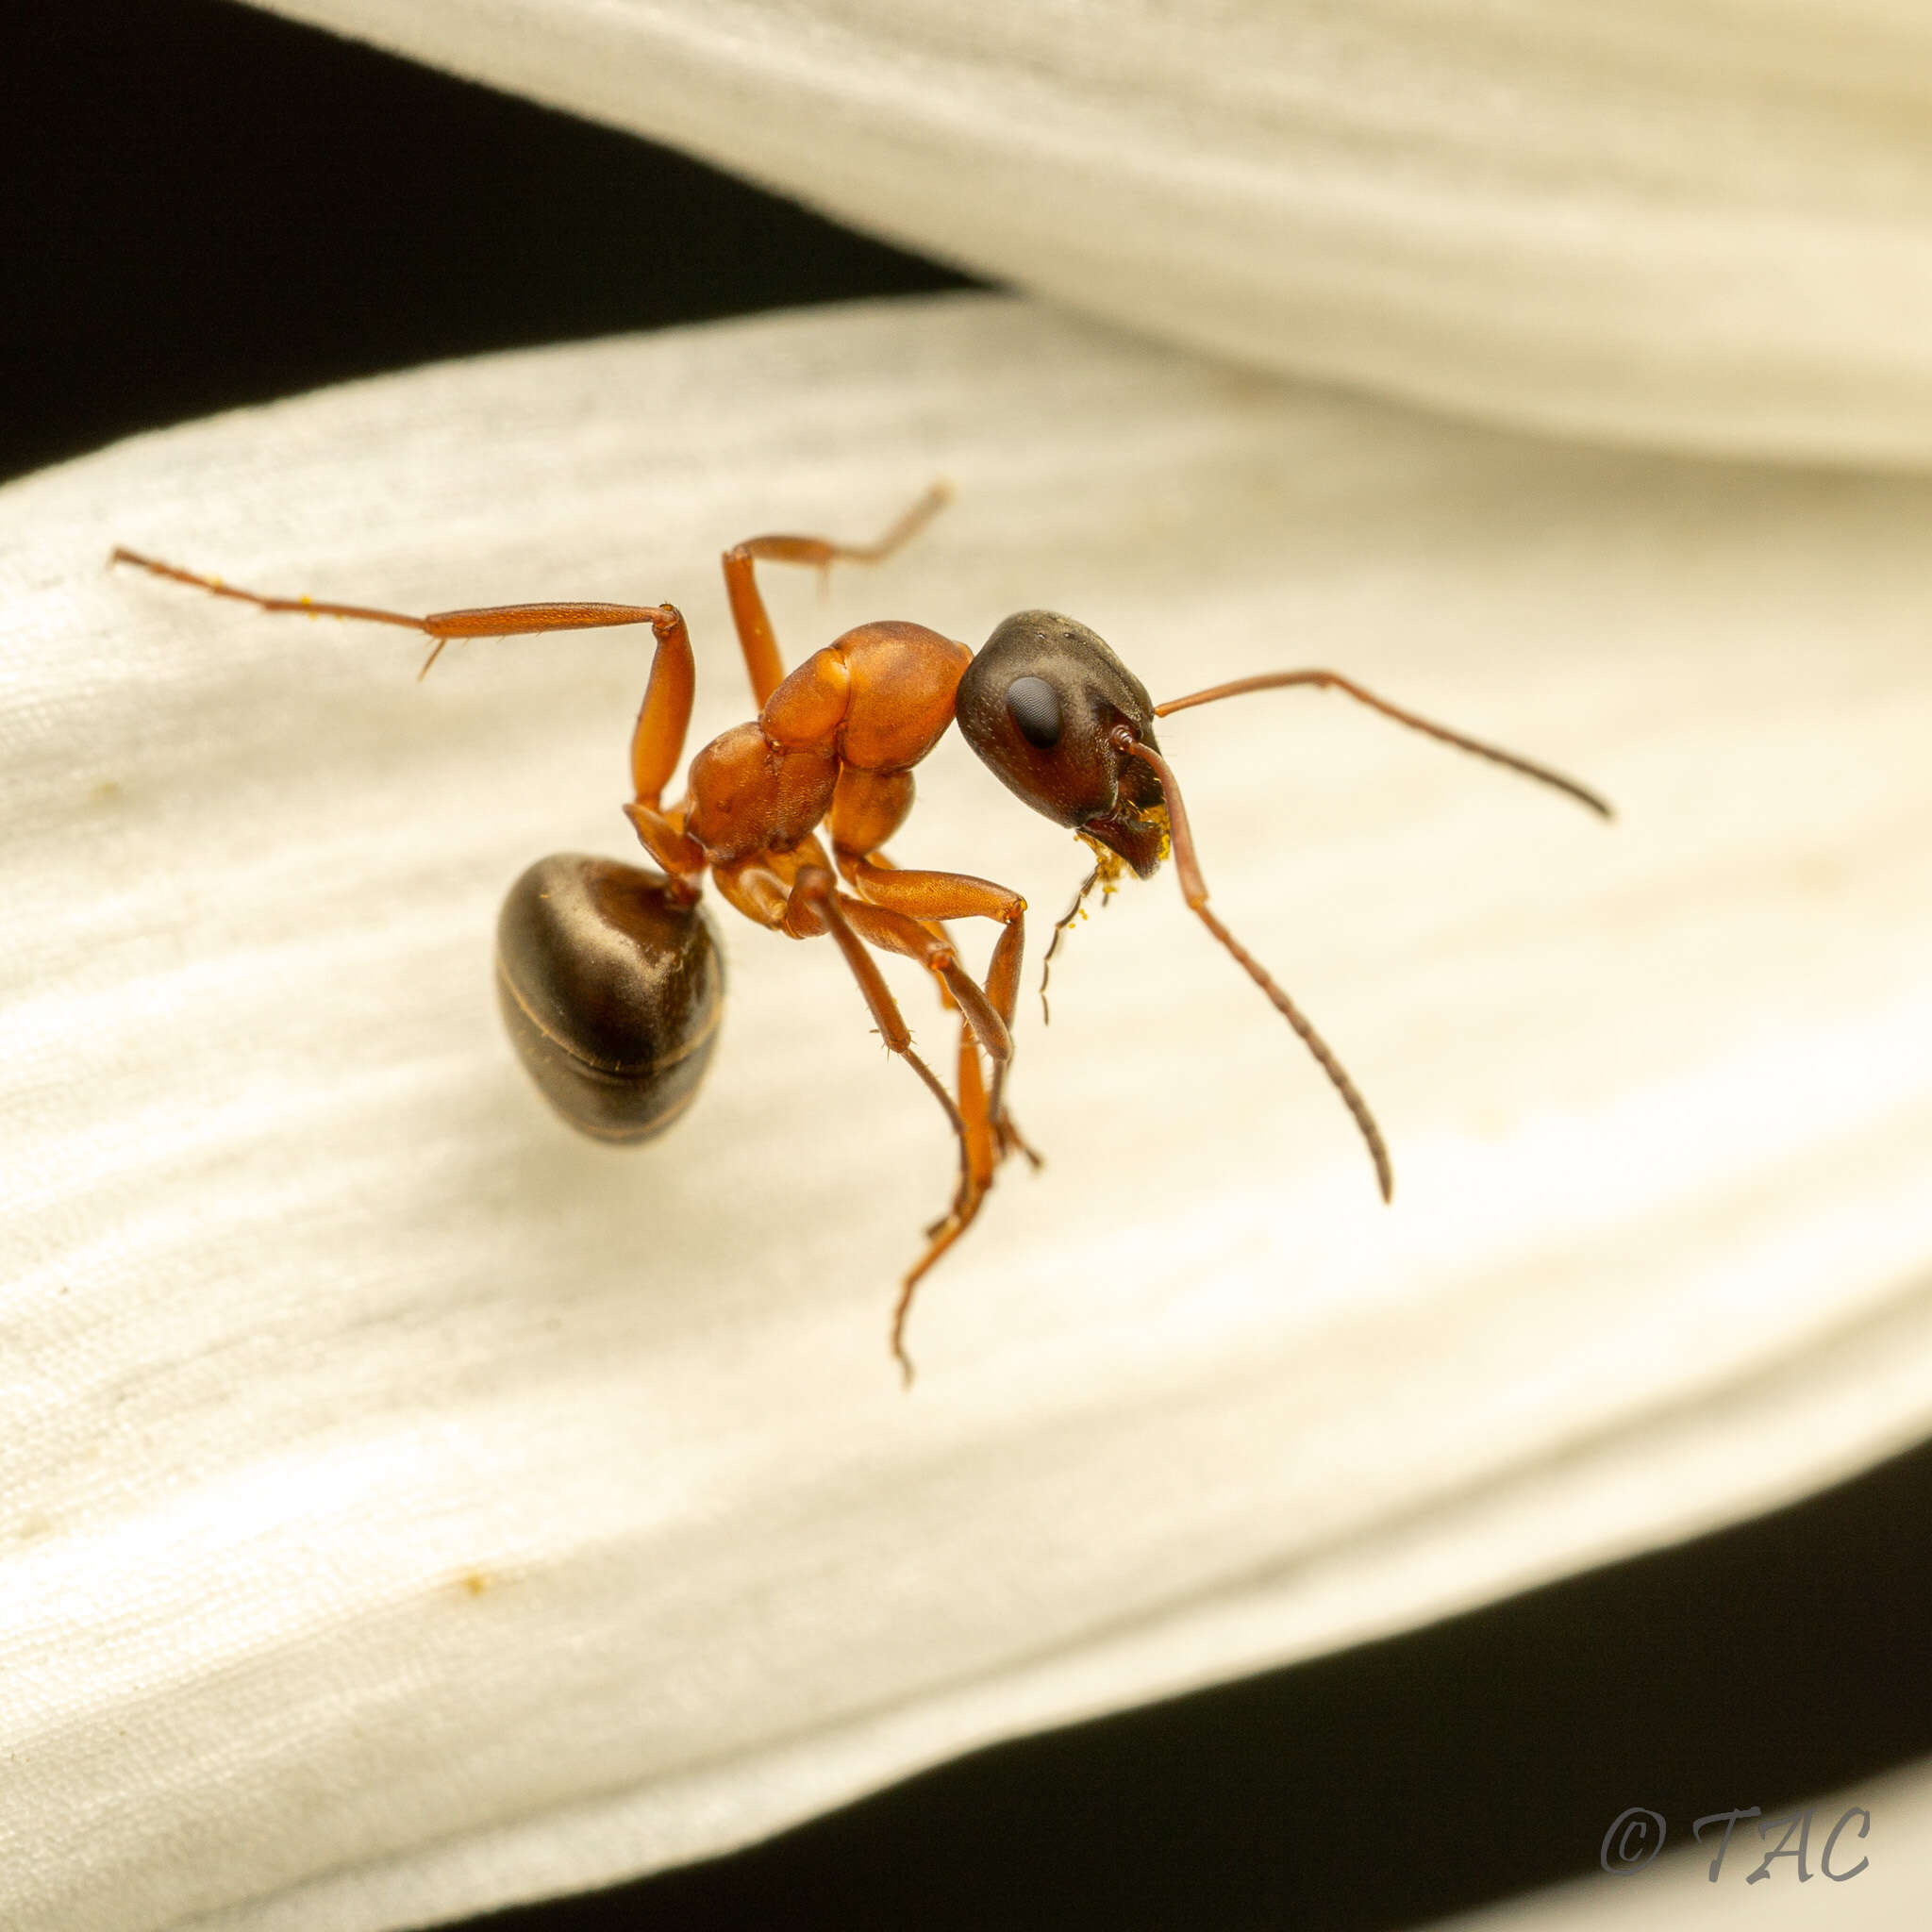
1333 680
1195 890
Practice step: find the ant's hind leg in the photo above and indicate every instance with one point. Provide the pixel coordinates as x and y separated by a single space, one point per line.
493 621
657 740
755 637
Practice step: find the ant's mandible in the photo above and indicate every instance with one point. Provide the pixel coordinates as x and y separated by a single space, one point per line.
609 977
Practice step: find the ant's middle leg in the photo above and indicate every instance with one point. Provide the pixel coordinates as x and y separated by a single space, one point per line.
755 637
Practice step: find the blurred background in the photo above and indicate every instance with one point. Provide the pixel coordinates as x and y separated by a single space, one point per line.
206 207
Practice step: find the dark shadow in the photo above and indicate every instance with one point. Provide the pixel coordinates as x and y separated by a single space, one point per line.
205 205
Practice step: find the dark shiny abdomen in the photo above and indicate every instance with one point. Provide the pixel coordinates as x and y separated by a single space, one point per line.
611 991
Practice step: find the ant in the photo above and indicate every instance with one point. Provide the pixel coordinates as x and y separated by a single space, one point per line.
608 975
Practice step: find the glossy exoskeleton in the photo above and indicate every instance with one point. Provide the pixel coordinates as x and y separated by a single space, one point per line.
609 978
611 986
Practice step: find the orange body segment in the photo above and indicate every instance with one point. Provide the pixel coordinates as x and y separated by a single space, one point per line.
749 795
808 707
903 679
867 809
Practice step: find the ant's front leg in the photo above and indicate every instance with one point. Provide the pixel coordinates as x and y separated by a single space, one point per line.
867 808
934 897
982 1144
815 905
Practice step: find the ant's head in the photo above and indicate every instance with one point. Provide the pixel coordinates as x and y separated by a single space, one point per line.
1040 703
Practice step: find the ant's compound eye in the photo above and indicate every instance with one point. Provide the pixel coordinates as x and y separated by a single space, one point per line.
1034 705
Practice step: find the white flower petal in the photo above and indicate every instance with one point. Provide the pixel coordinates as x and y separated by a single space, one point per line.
1692 224
554 1511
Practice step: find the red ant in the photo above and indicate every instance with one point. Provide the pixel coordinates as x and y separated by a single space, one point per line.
609 976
